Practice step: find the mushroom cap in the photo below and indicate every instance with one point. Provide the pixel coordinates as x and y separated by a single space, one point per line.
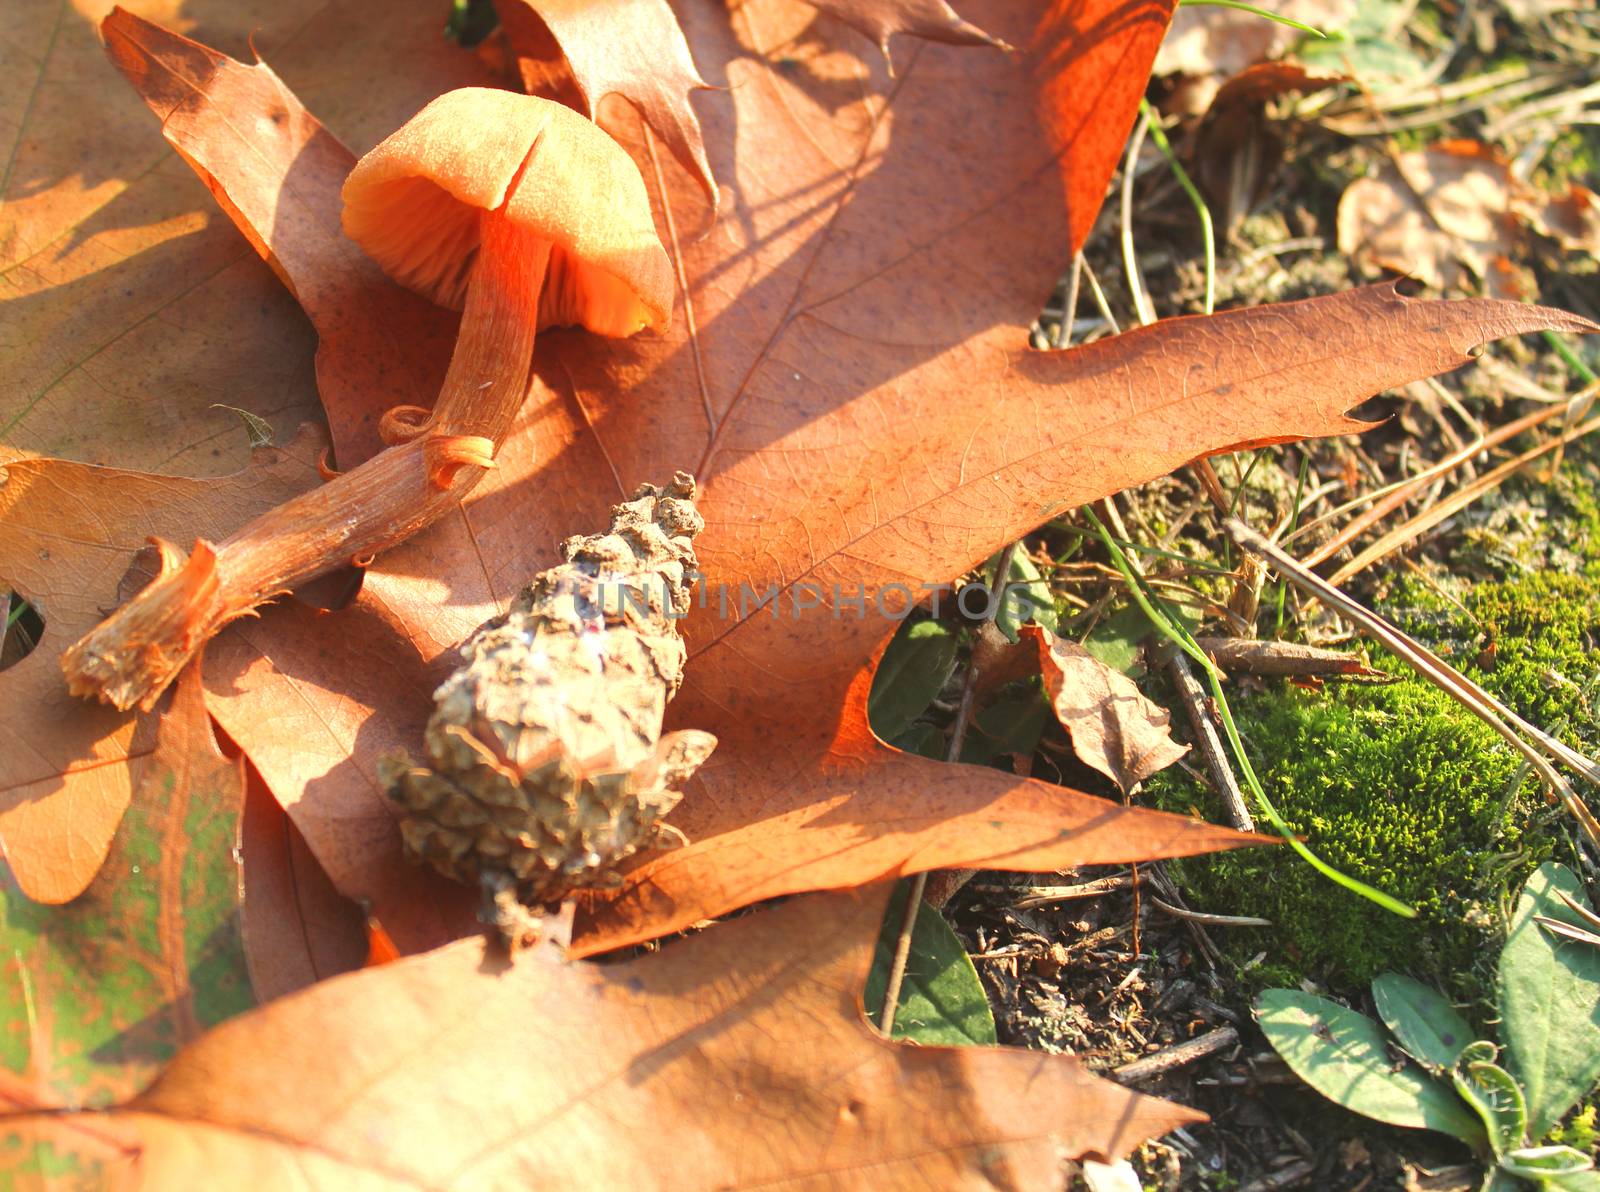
414 205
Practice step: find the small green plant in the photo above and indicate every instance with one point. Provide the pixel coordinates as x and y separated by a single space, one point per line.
1437 1077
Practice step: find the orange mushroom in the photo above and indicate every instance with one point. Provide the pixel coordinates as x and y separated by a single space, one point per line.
516 210
520 213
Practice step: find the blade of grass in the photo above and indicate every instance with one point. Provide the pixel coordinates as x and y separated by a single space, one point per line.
1142 308
1207 233
1570 358
1294 521
1260 12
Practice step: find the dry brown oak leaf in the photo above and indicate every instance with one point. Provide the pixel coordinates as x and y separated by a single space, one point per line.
68 533
100 994
458 1070
132 306
580 52
848 370
1114 728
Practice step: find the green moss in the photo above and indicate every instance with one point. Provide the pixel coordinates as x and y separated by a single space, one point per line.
1531 642
1398 786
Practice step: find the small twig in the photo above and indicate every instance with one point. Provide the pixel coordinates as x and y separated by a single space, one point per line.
1208 920
1284 1177
1209 740
1208 948
958 736
1516 732
1177 1056
1100 299
1390 498
1033 896
1455 502
1069 310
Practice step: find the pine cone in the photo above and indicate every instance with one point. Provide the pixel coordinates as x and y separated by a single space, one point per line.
546 763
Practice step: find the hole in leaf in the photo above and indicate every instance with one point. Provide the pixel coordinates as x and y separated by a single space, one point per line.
21 627
1408 287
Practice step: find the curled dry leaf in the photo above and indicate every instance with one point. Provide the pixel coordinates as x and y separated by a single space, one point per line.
70 533
1256 657
631 48
106 244
394 352
1239 146
1453 212
847 374
132 309
1113 727
458 1069
102 993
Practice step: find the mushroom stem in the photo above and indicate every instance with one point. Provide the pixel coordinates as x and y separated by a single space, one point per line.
130 657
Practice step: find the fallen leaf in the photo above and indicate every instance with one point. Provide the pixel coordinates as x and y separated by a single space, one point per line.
1571 219
1453 212
1255 657
1238 147
1114 728
932 19
103 992
848 376
109 246
298 929
631 48
70 532
1088 63
284 170
458 1069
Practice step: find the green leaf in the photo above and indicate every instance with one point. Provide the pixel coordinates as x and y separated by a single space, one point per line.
1364 48
921 738
1343 1055
1010 726
1498 1180
1543 1162
1027 598
1494 1094
1550 1002
941 1000
96 996
908 679
1116 640
1583 1181
1425 1023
